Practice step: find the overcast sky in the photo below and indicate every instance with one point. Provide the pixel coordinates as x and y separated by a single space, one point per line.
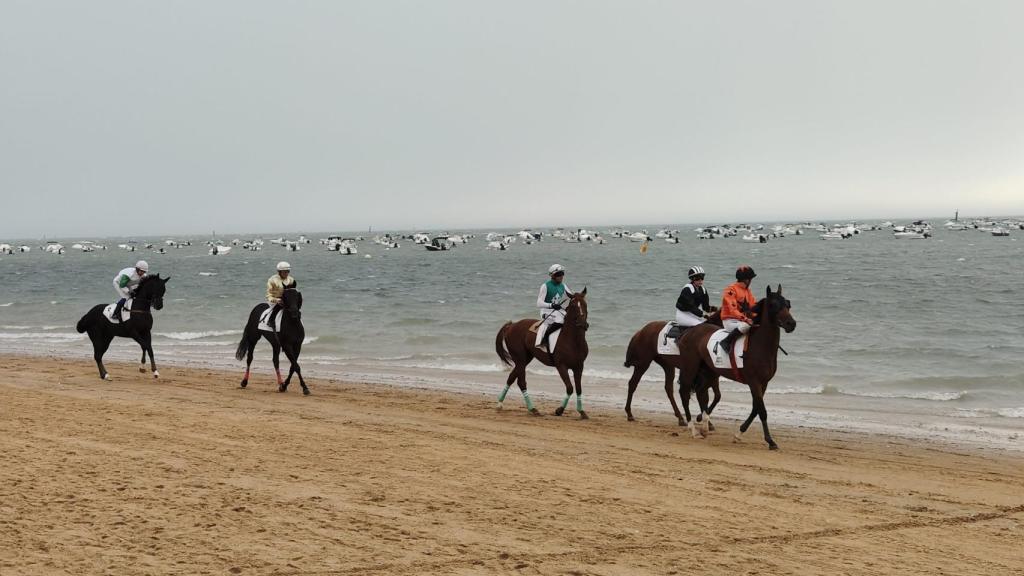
182 117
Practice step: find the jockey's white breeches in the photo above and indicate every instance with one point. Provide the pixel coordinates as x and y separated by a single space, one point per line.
732 324
687 319
553 317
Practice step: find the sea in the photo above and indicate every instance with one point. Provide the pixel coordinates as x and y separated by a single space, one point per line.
906 338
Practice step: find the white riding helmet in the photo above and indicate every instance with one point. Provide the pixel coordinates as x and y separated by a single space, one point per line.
283 266
555 269
142 265
695 271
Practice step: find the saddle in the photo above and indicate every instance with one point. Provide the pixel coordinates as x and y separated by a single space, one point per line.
675 331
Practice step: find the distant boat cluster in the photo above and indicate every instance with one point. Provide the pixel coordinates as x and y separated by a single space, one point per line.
442 242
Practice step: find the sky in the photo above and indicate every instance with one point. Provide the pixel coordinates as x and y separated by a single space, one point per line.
138 117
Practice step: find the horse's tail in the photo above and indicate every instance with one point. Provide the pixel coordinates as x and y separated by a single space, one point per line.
631 351
243 346
499 344
247 333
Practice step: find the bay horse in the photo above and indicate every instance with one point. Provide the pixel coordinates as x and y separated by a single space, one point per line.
516 347
643 350
759 359
288 337
149 296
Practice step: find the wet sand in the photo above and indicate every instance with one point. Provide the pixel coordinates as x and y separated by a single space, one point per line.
191 475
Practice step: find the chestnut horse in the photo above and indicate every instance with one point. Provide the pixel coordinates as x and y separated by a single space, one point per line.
759 358
643 350
515 345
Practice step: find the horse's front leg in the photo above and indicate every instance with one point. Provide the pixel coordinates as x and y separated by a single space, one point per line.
99 348
718 396
563 372
577 375
142 363
293 358
276 363
148 347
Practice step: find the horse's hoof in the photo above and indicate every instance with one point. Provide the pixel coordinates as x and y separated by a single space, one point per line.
244 383
142 369
305 391
559 411
736 438
156 374
629 418
106 377
711 427
535 412
583 415
773 446
682 421
282 388
499 406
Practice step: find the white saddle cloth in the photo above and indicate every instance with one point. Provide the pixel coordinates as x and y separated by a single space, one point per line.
667 346
719 355
108 312
264 323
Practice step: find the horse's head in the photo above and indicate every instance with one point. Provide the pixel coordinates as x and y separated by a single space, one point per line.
291 301
576 310
152 288
776 308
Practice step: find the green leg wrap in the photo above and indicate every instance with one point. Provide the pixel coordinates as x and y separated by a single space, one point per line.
565 401
579 402
529 403
501 397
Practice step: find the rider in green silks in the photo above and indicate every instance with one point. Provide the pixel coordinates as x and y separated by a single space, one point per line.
552 295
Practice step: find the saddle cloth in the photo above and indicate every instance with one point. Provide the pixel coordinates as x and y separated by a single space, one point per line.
667 346
108 312
264 323
539 328
719 355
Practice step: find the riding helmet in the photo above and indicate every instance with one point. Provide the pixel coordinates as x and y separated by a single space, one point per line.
555 269
283 266
695 271
745 273
142 265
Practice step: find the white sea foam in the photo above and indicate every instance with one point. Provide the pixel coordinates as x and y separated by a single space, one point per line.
1017 412
6 305
45 336
196 335
310 339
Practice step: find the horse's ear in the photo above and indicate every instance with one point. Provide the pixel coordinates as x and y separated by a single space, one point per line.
167 279
584 291
769 290
779 290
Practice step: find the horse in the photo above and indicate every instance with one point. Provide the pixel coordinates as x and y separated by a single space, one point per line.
759 359
643 350
289 338
515 345
148 296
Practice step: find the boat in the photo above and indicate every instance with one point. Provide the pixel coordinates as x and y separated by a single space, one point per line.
439 244
1000 232
219 250
832 236
497 246
755 238
639 237
911 235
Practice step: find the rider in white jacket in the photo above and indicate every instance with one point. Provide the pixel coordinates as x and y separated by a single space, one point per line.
125 283
550 298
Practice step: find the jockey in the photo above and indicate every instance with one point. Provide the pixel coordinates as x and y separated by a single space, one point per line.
738 307
125 283
693 304
275 289
550 298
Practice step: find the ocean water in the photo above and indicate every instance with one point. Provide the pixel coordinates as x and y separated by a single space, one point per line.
918 338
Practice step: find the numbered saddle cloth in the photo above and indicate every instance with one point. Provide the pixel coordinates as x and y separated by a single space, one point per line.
718 354
108 312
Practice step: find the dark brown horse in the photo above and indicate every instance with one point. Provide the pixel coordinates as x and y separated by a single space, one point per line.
759 358
515 345
643 350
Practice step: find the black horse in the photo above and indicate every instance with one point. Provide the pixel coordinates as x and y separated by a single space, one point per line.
139 327
289 338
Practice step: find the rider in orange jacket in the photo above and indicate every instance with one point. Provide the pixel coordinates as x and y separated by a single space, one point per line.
738 307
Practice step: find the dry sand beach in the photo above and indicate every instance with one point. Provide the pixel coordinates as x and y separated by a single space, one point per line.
191 475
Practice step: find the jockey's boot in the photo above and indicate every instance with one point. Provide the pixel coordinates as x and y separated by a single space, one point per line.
547 334
118 309
727 342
